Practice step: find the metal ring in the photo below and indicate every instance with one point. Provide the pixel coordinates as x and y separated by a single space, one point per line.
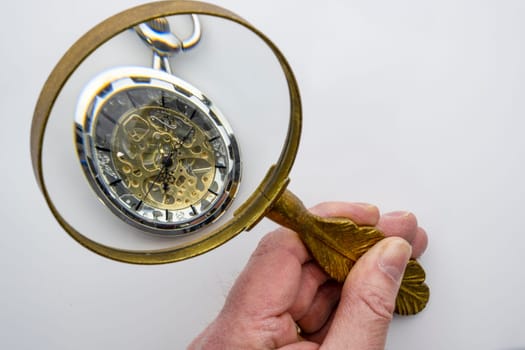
195 37
163 41
251 211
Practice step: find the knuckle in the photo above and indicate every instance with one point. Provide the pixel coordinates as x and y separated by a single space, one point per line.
377 301
279 239
267 244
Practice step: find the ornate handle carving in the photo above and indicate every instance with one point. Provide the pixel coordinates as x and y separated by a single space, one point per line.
337 243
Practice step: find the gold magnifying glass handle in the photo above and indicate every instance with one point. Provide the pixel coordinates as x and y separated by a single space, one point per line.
337 243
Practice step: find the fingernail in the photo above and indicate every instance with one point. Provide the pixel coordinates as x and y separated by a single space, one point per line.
367 206
394 258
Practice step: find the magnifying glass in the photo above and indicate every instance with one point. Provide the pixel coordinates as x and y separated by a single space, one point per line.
161 157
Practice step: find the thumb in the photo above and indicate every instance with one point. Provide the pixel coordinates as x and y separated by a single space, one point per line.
368 297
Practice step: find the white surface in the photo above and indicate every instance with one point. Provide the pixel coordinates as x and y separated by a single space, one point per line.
409 104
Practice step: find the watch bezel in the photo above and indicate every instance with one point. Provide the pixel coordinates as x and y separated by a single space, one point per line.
101 90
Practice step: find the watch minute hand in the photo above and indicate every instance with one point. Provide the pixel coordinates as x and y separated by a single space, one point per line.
166 163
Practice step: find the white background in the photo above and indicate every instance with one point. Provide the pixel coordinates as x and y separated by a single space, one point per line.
412 105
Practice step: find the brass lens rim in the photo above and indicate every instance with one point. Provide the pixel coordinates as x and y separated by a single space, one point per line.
251 211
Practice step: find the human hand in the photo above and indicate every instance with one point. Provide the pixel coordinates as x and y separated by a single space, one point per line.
282 288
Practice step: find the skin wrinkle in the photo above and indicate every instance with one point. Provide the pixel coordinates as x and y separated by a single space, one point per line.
260 334
375 299
280 331
371 328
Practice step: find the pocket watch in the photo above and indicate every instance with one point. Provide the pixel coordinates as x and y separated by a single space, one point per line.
155 149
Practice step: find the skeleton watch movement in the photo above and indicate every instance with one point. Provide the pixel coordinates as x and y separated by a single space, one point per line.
156 151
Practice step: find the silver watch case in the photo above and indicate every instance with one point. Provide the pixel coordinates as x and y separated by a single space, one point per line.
100 106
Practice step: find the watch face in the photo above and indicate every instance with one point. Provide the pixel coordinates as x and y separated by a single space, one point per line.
156 151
